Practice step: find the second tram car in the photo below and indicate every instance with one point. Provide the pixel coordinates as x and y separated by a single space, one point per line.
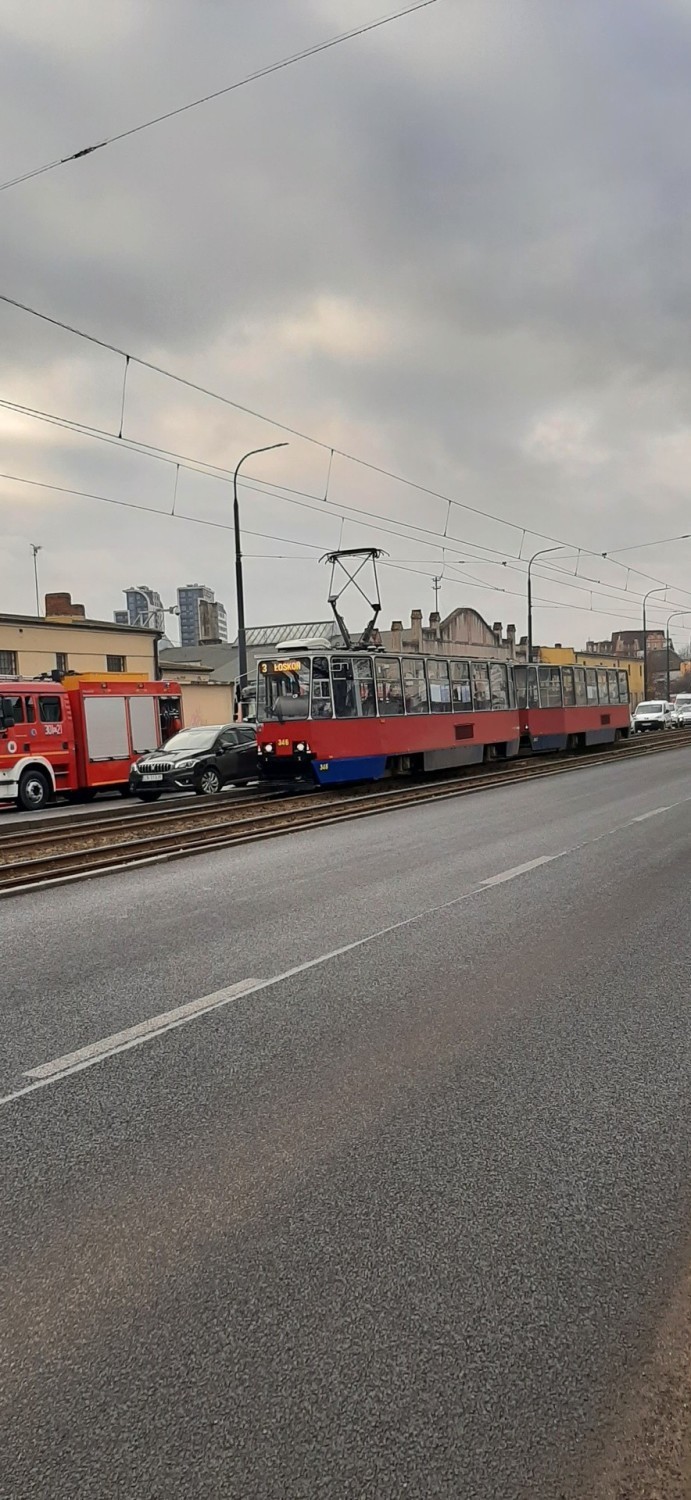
570 708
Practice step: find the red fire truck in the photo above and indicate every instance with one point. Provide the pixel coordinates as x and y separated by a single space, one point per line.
80 734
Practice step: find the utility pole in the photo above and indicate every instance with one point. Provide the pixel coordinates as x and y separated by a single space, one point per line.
239 582
662 589
542 553
36 548
436 585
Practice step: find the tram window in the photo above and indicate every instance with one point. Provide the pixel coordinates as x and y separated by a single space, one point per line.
512 689
550 687
568 687
520 678
365 682
481 692
345 698
591 684
50 710
579 683
415 685
498 685
533 690
613 687
321 688
461 696
602 686
389 686
12 708
439 686
623 687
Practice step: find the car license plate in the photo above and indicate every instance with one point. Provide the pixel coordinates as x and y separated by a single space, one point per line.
149 776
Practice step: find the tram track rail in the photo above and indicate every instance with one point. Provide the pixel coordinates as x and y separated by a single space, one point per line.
99 846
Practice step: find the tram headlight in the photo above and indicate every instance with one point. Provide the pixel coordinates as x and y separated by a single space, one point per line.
302 748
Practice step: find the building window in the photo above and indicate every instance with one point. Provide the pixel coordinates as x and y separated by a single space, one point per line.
61 664
116 664
8 663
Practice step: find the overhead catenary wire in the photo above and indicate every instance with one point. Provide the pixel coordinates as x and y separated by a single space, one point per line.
229 88
316 442
468 579
272 422
607 593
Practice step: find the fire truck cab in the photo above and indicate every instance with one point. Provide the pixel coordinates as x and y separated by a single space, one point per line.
79 734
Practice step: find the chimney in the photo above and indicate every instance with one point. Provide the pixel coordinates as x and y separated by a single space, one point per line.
557 645
434 619
416 629
511 638
396 635
496 629
60 606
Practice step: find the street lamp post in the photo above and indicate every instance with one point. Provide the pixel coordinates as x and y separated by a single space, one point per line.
542 553
662 589
674 615
239 585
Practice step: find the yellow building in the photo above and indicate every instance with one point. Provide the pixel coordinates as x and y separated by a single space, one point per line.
30 646
566 656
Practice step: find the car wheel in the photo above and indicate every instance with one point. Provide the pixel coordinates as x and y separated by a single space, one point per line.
34 791
208 782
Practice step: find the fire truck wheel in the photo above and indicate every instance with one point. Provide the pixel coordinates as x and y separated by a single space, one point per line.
34 790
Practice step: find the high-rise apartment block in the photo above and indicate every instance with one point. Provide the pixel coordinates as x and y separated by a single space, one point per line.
202 618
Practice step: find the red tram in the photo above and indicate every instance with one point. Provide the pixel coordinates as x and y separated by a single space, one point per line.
339 717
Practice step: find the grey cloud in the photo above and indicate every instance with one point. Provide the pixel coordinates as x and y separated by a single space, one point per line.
501 190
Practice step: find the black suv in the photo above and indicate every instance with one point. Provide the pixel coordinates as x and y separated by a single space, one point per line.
201 760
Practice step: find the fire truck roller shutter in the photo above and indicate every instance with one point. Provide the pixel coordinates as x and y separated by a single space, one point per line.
106 728
143 724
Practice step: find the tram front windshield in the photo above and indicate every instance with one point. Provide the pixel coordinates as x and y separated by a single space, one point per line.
283 689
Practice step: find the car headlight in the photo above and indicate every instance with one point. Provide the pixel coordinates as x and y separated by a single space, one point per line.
184 765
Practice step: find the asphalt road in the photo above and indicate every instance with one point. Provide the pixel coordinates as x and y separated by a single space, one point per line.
411 1215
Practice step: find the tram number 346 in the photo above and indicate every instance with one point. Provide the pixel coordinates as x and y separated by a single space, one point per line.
324 765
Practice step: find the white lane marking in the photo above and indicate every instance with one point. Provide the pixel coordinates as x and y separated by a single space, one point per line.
50 1075
643 817
133 1036
251 987
530 864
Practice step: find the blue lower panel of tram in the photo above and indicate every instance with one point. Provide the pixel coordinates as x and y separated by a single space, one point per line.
356 768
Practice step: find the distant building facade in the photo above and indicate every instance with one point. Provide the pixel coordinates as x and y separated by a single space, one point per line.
195 618
464 632
144 607
220 663
213 623
628 642
65 641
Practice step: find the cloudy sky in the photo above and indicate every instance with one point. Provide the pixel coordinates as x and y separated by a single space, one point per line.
458 248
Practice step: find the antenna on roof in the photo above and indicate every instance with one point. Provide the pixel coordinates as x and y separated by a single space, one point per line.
350 562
